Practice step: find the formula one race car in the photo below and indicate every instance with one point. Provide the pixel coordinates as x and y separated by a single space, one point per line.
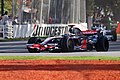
109 33
69 42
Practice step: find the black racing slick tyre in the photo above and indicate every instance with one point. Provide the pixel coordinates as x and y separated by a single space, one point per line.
33 40
67 44
102 44
89 47
114 35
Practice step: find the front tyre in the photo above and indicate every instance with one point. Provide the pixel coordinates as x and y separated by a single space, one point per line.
33 40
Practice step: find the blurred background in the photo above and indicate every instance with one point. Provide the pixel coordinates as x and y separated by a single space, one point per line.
63 11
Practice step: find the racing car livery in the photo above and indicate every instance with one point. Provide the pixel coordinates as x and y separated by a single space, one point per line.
80 40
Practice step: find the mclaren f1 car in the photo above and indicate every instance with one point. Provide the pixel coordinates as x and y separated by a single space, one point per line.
77 40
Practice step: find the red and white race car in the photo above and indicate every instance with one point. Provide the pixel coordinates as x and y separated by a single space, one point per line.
77 41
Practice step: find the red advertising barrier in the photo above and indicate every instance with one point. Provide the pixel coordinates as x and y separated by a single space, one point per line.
118 28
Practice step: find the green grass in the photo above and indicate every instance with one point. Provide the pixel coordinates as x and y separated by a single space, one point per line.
58 58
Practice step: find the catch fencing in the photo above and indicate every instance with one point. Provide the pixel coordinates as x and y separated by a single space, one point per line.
29 30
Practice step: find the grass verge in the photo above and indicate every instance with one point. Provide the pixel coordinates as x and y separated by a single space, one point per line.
58 58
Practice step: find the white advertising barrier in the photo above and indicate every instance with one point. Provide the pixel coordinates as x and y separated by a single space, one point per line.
49 29
22 31
81 26
43 30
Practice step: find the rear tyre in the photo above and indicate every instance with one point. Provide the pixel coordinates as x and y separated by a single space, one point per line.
114 35
102 44
34 40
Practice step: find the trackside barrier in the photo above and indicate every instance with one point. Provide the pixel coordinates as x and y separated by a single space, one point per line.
29 30
54 29
6 31
49 29
1 31
22 31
